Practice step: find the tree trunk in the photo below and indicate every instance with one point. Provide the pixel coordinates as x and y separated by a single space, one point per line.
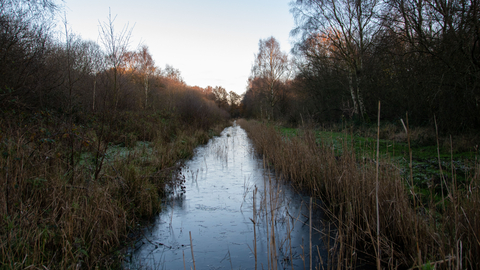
94 87
145 83
361 105
353 93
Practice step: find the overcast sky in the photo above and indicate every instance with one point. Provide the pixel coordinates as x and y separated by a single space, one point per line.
211 42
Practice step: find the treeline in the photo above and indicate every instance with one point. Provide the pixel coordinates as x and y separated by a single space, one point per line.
228 101
420 57
70 75
91 136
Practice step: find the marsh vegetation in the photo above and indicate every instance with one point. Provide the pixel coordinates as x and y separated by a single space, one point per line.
433 226
238 213
89 136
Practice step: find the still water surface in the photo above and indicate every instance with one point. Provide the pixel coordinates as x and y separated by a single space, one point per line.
215 205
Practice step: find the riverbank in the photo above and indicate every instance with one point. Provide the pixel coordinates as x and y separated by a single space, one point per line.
73 188
414 231
230 212
456 154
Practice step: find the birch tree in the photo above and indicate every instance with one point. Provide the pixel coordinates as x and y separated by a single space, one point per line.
115 46
349 26
271 65
141 63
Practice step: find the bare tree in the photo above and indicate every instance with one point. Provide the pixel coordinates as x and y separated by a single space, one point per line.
115 45
173 73
141 63
235 103
29 9
348 26
85 60
25 45
147 68
234 98
221 97
272 65
93 62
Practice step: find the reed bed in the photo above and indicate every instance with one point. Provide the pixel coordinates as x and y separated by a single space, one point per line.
411 234
69 199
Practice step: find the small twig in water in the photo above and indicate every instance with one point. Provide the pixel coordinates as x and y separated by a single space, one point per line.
191 247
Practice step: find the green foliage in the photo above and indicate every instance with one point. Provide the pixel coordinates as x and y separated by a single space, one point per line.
428 266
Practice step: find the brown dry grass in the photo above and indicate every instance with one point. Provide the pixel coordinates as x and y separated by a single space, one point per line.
409 237
68 203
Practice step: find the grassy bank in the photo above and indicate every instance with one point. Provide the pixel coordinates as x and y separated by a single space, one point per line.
416 230
74 187
457 155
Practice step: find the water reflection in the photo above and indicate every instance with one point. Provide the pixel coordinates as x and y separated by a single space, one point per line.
222 198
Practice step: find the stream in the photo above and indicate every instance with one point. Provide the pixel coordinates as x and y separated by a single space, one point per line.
230 213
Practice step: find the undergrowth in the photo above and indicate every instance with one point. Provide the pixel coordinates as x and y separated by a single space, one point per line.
73 188
415 232
426 172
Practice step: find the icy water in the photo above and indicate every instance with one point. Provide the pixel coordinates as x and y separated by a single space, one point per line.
214 210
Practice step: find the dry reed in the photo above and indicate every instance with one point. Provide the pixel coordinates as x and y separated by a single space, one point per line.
55 214
410 234
191 247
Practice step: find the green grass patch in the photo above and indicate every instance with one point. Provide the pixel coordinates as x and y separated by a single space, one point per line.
427 177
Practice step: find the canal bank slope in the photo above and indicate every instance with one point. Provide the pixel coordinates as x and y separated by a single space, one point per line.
411 235
231 212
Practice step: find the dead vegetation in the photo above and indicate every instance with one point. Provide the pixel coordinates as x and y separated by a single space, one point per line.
413 234
71 193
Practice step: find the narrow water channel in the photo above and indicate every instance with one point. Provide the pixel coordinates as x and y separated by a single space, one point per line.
224 210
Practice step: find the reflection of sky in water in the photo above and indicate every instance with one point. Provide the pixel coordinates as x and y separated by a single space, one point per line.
217 208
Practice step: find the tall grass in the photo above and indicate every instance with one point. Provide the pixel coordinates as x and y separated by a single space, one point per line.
447 239
58 214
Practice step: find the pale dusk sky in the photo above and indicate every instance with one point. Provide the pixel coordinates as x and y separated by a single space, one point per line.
211 42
